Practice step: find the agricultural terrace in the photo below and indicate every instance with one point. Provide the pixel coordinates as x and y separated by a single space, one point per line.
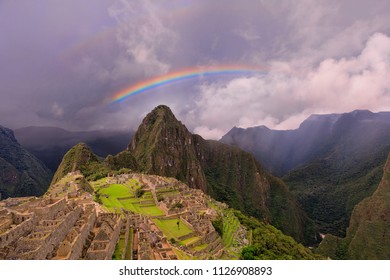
171 229
115 197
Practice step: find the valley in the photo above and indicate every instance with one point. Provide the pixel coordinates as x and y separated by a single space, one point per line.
330 163
174 195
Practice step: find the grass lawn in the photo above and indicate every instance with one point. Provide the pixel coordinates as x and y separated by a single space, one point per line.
170 229
152 210
128 205
116 190
119 248
98 183
182 255
129 249
111 203
200 247
190 240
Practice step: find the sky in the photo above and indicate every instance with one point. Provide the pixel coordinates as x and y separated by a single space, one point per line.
61 62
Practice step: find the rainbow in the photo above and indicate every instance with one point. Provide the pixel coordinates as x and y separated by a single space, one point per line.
181 75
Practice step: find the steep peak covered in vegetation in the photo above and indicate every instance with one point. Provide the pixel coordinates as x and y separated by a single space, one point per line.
162 145
77 158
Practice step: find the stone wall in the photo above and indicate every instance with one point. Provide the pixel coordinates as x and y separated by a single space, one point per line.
71 248
104 249
16 232
42 244
49 208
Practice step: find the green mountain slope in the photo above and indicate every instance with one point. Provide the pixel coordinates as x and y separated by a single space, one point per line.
79 157
269 243
21 173
329 188
368 234
330 163
162 145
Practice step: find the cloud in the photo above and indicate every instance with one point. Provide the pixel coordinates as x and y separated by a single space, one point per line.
57 111
63 59
146 40
210 133
284 99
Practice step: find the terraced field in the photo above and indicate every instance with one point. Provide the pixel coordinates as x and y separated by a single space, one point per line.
230 226
115 197
170 228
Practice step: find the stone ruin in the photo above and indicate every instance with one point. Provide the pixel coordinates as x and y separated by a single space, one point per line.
48 228
66 224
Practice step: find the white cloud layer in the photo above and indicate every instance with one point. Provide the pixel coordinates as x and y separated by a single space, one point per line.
283 99
144 37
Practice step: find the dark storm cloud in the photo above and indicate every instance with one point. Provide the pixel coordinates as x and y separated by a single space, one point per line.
62 60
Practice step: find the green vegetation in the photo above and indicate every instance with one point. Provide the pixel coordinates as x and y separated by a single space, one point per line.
218 225
119 248
129 249
329 189
80 157
21 173
246 190
228 174
334 247
170 228
230 226
287 215
269 243
119 196
190 240
139 192
121 160
116 190
369 228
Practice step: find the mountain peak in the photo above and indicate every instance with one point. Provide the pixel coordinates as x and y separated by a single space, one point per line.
21 174
75 159
7 133
161 144
161 112
160 123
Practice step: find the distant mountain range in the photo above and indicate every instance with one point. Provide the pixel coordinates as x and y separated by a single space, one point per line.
50 144
281 151
21 173
331 162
